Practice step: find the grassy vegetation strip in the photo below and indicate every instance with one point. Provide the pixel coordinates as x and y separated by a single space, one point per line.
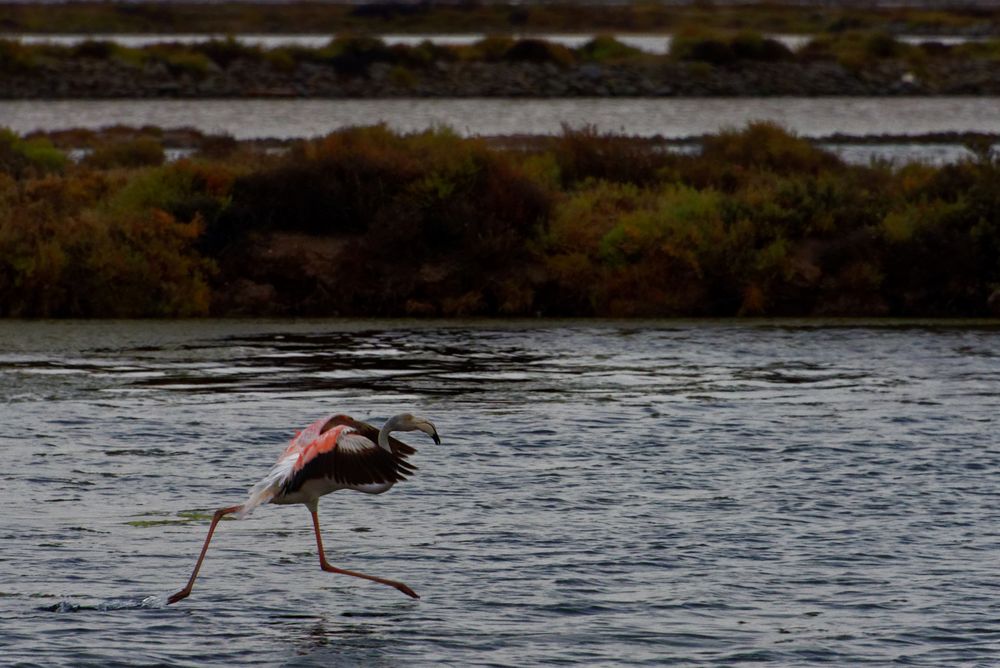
369 222
700 62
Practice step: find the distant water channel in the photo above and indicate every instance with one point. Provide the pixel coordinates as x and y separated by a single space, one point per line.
666 117
650 43
606 494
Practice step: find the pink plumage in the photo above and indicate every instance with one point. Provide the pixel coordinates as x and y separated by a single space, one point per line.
329 455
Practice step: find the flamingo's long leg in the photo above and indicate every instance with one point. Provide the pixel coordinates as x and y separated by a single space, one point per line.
325 565
219 514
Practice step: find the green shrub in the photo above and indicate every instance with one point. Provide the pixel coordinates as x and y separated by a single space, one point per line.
917 280
401 202
139 152
572 245
131 57
94 49
284 59
16 58
333 186
722 49
986 49
678 220
425 53
767 146
857 50
368 221
491 49
20 156
754 46
186 191
605 48
218 146
287 58
353 55
881 45
586 153
403 77
540 51
225 51
180 61
60 258
615 249
711 50
42 155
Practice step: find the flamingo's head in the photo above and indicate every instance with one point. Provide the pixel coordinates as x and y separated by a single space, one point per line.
408 422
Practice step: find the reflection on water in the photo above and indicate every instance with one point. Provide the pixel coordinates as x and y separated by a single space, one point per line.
605 493
319 643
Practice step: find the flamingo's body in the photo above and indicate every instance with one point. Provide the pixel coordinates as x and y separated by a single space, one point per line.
329 455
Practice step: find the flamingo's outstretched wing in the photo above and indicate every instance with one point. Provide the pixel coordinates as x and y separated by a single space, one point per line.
352 459
340 449
312 438
400 450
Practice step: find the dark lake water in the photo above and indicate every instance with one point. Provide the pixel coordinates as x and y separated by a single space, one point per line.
606 493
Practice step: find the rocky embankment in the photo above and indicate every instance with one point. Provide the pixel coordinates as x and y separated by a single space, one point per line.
109 78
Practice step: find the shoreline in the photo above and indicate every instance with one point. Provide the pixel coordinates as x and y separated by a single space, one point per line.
544 322
190 139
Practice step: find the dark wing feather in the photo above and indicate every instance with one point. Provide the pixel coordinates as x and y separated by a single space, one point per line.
400 450
356 460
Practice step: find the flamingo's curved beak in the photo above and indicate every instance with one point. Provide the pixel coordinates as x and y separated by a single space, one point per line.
428 428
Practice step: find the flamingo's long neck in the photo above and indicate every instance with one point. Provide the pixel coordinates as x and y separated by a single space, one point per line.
391 425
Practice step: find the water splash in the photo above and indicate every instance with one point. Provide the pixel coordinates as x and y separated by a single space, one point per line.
156 602
153 602
63 606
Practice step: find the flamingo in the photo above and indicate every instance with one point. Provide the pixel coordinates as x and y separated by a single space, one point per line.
330 454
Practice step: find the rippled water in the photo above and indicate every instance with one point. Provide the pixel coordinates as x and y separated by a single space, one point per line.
668 117
606 493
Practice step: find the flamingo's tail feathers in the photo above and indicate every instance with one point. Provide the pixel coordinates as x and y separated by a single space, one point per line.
258 496
270 486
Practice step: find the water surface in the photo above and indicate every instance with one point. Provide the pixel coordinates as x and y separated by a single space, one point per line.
668 117
607 493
